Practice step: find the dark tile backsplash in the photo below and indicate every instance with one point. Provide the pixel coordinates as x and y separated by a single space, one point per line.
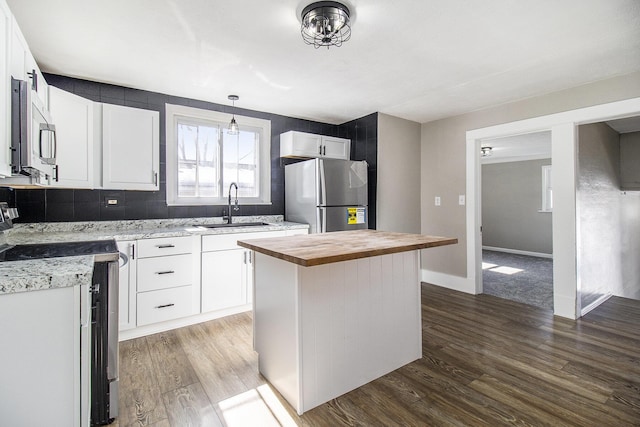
59 205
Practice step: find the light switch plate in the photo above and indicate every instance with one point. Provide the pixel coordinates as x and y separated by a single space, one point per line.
461 200
437 200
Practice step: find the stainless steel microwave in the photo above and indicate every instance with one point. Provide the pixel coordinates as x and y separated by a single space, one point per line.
33 135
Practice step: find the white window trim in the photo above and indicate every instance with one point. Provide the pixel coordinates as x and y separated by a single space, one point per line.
546 178
172 114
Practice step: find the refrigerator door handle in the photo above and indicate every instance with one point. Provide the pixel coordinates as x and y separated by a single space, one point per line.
322 186
322 220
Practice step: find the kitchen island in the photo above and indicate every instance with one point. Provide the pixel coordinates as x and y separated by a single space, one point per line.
335 311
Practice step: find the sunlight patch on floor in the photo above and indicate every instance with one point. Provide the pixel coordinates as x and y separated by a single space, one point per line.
486 265
255 407
506 270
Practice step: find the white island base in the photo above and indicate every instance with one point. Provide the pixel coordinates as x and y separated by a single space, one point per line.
324 330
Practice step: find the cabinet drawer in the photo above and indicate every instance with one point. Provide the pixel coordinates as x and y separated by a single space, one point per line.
164 246
221 242
166 304
165 272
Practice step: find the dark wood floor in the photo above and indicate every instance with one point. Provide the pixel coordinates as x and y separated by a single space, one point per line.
486 362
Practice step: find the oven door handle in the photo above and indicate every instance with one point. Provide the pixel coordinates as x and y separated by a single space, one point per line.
124 258
112 361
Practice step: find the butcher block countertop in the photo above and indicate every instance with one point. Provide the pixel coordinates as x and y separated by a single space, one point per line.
325 248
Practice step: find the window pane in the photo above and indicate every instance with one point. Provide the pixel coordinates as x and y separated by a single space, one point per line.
197 160
208 176
240 156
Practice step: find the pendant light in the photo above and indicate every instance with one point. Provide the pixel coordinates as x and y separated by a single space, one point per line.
233 126
326 23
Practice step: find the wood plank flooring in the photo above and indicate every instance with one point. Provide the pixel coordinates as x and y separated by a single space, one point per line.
486 362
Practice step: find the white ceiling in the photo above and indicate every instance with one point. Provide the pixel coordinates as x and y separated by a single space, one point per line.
420 60
516 148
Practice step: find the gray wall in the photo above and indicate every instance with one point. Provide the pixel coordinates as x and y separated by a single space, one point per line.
598 211
443 160
398 175
630 246
630 216
511 199
630 161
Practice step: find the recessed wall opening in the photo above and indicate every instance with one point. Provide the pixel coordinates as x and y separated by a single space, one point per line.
608 211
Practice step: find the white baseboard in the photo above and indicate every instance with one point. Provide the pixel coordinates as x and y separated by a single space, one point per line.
594 304
449 281
518 252
564 306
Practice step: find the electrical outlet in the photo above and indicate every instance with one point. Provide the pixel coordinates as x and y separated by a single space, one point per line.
111 201
461 200
437 200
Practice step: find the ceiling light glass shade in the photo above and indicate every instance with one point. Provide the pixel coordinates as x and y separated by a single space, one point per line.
233 127
325 23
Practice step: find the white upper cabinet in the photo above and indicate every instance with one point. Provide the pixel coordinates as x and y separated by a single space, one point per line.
336 148
76 127
18 52
24 66
34 75
302 144
104 146
5 90
131 146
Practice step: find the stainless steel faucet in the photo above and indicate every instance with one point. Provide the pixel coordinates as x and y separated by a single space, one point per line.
236 207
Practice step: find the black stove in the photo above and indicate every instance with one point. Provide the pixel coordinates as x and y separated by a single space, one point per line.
56 250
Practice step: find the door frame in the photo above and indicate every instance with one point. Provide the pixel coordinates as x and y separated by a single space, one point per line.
563 127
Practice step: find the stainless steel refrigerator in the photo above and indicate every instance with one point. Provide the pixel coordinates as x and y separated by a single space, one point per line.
327 194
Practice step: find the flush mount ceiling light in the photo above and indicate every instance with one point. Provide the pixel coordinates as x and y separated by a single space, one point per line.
233 126
486 151
326 23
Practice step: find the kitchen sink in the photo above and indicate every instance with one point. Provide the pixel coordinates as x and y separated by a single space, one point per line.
235 224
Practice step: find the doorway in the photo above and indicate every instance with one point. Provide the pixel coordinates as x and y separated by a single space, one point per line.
566 260
516 214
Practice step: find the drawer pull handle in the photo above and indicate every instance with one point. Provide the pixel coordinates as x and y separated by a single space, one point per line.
165 246
166 272
165 305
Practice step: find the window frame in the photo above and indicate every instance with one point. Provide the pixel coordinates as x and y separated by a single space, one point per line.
173 113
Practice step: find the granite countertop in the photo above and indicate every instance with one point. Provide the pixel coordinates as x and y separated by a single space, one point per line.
316 249
33 275
137 229
25 276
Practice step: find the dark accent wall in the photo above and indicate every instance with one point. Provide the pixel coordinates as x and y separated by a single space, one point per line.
61 205
363 133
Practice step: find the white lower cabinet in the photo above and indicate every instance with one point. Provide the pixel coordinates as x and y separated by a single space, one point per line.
45 357
176 281
167 279
224 281
227 270
127 285
165 272
165 304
